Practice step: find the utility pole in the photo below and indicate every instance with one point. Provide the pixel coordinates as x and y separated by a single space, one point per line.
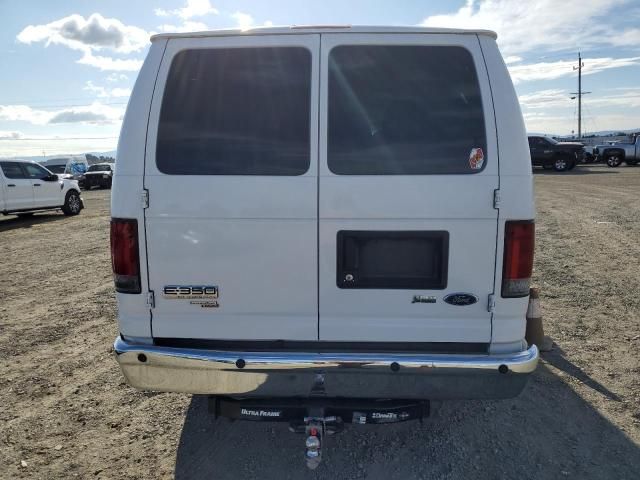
579 94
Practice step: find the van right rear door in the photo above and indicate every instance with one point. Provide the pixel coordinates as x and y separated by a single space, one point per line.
408 169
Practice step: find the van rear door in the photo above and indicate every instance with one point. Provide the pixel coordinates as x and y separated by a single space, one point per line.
231 172
408 169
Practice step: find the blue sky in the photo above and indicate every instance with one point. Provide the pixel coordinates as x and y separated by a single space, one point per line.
68 67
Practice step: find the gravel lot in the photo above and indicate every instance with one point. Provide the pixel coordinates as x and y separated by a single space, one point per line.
66 411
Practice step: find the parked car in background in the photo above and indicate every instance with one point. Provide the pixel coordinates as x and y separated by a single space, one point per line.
27 187
320 230
547 152
67 167
615 154
98 175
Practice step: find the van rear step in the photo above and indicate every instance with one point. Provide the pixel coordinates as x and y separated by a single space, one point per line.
317 417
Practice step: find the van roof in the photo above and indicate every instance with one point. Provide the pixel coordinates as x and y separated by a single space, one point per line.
301 29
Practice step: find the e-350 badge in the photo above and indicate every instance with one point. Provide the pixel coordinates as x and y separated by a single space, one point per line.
204 295
190 292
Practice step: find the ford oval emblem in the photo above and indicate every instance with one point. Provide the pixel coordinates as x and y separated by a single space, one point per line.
460 299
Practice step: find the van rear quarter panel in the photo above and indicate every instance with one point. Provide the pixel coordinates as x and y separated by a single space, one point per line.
516 190
134 316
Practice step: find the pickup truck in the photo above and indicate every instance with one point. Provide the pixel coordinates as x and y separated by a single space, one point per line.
617 153
547 152
100 174
27 187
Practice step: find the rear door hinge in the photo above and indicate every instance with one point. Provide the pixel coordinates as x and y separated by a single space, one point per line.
496 198
151 300
491 303
145 198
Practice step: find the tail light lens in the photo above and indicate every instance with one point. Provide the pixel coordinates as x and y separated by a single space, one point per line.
517 265
125 259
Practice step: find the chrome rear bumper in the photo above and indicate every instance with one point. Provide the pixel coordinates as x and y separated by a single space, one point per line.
352 375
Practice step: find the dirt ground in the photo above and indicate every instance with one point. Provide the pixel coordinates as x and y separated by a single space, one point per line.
66 412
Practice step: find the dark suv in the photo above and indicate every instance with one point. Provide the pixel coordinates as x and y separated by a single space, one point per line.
547 152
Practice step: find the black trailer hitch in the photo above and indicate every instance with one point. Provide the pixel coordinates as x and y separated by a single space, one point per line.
317 418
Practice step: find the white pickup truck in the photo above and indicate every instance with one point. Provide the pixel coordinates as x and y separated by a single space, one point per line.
27 187
324 225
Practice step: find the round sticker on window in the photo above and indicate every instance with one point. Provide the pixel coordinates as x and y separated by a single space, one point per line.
476 159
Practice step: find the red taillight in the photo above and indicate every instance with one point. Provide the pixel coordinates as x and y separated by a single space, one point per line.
125 258
517 265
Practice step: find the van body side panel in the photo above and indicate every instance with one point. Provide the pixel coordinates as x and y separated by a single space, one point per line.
516 188
251 236
134 316
460 204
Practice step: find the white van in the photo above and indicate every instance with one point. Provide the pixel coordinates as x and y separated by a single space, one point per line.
27 187
334 213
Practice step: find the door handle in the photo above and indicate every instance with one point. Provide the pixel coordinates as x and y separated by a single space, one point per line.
11 185
36 184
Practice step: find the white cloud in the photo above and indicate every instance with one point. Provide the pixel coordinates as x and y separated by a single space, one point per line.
564 68
564 124
93 33
120 92
110 63
553 110
545 98
117 77
558 98
244 20
34 145
96 113
187 26
545 24
23 113
194 8
4 135
104 92
78 116
101 92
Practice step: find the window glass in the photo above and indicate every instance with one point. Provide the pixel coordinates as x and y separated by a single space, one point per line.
12 170
397 110
56 168
99 168
236 111
35 171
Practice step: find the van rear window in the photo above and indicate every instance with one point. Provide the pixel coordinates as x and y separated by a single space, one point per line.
236 111
404 110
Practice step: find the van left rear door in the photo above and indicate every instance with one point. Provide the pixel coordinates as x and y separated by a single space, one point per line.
231 170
